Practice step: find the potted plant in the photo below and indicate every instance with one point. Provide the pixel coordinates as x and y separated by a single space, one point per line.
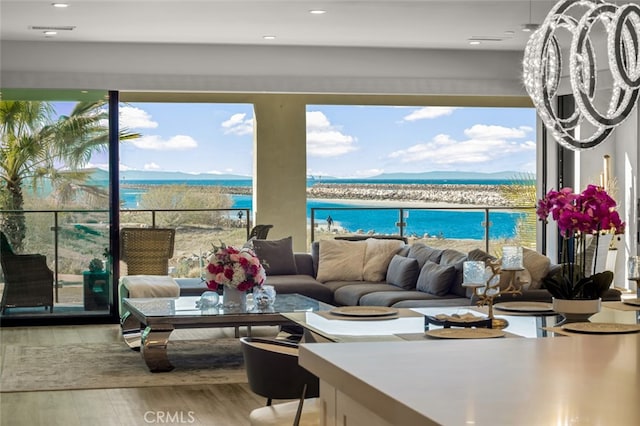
96 265
589 213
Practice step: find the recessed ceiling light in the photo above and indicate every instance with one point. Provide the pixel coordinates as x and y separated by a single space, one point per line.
317 12
474 42
269 37
60 5
50 33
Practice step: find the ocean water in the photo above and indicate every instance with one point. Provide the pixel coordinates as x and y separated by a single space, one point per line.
445 223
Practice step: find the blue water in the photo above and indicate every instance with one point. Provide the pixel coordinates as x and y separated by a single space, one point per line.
446 223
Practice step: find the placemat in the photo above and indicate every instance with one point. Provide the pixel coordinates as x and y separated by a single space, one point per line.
620 306
402 313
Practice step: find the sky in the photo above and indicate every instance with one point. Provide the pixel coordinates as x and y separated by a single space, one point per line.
342 141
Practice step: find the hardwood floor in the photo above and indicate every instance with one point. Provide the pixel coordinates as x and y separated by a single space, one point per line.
218 405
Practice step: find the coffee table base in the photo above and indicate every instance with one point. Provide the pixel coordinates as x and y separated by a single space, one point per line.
154 349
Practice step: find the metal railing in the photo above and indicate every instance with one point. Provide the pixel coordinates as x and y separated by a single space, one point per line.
401 221
80 235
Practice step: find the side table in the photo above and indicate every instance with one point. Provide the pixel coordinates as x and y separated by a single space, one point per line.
96 290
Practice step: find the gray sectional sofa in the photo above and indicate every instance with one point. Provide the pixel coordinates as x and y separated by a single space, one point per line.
412 275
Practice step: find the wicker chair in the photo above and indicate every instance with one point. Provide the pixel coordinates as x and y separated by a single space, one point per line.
146 251
260 232
28 281
143 251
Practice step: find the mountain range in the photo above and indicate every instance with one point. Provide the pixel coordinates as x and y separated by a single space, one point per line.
137 175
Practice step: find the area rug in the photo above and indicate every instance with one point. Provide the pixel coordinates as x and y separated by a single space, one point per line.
114 365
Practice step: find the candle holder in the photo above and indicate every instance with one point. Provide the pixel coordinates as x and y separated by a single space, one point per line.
489 288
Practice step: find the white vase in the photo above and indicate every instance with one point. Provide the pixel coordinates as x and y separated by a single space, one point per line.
576 310
232 298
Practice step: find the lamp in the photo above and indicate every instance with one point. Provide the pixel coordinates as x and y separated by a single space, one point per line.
543 68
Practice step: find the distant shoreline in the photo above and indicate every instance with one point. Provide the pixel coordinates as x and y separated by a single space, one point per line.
411 195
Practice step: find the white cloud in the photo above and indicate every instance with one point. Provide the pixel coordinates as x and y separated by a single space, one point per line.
156 143
238 125
151 166
368 173
482 131
325 139
486 144
136 118
428 113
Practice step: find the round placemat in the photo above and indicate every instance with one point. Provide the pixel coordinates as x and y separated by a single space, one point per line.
465 333
364 311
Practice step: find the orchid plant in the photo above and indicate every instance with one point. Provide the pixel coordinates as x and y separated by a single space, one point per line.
590 212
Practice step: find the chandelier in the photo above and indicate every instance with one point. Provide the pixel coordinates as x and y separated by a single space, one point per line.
594 30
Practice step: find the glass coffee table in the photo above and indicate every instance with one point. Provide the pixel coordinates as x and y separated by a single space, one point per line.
159 316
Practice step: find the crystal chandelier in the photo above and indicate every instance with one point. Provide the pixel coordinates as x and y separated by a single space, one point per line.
595 30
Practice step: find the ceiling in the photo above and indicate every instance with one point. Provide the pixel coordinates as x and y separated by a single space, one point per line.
422 24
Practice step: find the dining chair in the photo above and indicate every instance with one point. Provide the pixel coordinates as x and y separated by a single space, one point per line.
260 232
274 373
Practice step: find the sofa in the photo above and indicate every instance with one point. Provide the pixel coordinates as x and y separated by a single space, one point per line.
390 272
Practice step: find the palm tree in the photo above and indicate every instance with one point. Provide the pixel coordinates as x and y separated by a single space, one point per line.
36 147
522 193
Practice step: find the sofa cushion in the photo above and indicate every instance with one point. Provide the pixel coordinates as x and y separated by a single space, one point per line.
423 253
301 284
389 298
435 279
403 272
456 259
350 295
277 256
377 256
341 260
538 266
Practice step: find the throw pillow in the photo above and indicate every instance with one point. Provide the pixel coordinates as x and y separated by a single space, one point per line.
403 272
479 255
538 266
523 276
277 256
377 256
424 253
435 279
341 260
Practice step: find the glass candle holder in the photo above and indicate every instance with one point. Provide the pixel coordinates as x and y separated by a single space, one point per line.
633 267
512 257
473 272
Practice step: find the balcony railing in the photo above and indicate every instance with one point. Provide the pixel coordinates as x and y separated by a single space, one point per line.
478 227
72 238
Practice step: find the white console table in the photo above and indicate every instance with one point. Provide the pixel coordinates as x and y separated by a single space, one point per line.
563 380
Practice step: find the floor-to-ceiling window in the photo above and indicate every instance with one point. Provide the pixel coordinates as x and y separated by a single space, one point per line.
54 195
423 172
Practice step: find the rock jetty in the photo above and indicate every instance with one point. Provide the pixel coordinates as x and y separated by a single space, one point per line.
485 195
488 195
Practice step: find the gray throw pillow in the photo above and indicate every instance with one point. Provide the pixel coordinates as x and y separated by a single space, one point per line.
278 256
435 279
403 272
423 253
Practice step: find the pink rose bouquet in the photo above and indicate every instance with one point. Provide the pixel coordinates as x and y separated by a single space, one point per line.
238 268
